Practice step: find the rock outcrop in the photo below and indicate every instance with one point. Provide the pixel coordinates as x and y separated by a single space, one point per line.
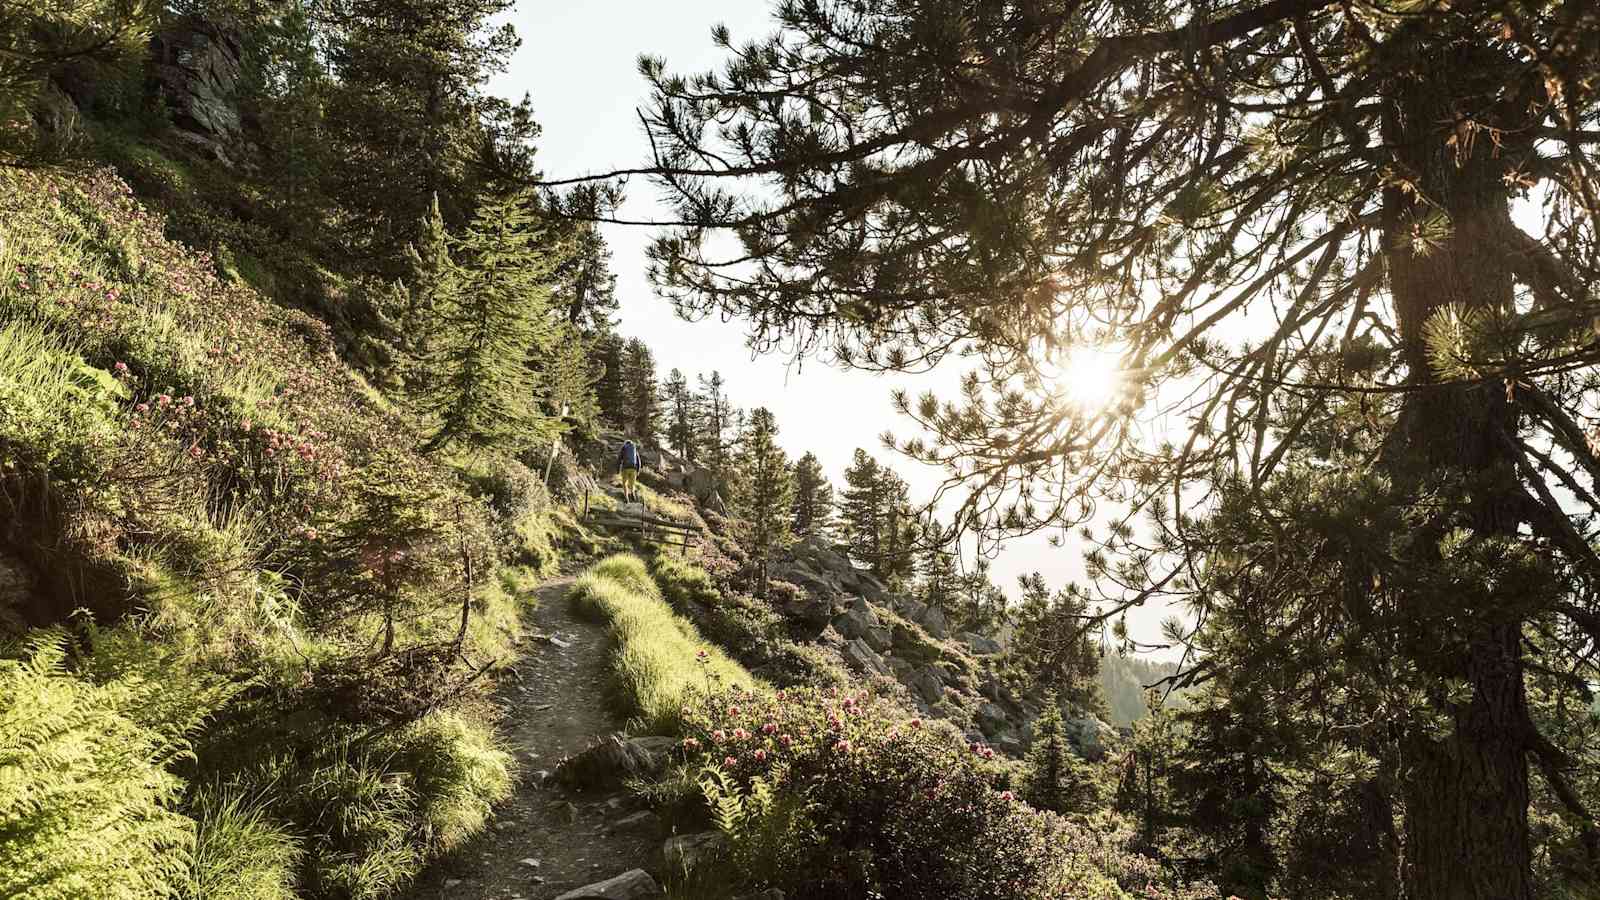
196 65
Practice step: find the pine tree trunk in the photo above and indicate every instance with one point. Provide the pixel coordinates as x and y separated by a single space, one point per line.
1465 784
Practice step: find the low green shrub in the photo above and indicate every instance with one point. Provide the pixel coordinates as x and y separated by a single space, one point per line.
57 413
660 661
373 811
521 508
837 794
749 628
458 772
682 582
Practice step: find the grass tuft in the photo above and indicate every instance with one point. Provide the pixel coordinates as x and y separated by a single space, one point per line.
660 660
241 853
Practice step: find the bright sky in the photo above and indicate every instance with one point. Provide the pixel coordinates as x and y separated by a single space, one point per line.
578 61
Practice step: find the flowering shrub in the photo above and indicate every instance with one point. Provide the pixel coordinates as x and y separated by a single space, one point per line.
247 389
872 803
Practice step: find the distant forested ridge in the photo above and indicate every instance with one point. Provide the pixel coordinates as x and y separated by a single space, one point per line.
1123 680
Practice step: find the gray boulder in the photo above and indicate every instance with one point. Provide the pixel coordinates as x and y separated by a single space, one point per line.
880 639
1008 743
990 688
1090 736
613 758
810 610
927 684
643 822
687 852
700 483
935 624
911 608
861 582
809 581
863 658
635 884
991 719
981 645
861 621
197 65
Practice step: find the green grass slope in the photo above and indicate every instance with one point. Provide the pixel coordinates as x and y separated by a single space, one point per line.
256 617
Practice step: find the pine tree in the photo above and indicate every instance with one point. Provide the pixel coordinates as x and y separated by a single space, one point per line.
862 512
586 288
1314 203
980 604
491 321
939 570
682 411
813 499
409 119
764 497
608 382
1055 779
641 405
1053 647
1223 778
898 533
568 372
432 274
718 428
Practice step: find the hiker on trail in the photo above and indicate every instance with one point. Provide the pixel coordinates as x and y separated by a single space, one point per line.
628 465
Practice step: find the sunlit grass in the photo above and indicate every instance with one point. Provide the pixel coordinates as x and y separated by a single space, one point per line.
657 661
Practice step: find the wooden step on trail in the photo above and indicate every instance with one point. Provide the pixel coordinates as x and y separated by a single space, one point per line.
632 518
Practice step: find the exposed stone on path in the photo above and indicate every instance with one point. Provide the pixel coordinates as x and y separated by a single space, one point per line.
635 884
643 823
610 759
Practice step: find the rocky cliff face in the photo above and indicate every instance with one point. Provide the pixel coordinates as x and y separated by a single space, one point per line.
886 637
196 65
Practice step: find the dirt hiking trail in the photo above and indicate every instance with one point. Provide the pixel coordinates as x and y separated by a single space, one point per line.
548 839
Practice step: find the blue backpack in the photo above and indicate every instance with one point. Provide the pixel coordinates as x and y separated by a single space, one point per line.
630 455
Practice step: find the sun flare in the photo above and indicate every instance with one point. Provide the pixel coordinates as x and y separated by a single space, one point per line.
1091 377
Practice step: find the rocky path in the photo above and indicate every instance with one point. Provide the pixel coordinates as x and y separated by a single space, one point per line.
547 839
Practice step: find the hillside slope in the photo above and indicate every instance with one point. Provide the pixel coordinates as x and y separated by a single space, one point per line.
285 610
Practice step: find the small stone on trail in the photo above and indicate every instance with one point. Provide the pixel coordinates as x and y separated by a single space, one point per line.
559 643
530 862
645 822
451 882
